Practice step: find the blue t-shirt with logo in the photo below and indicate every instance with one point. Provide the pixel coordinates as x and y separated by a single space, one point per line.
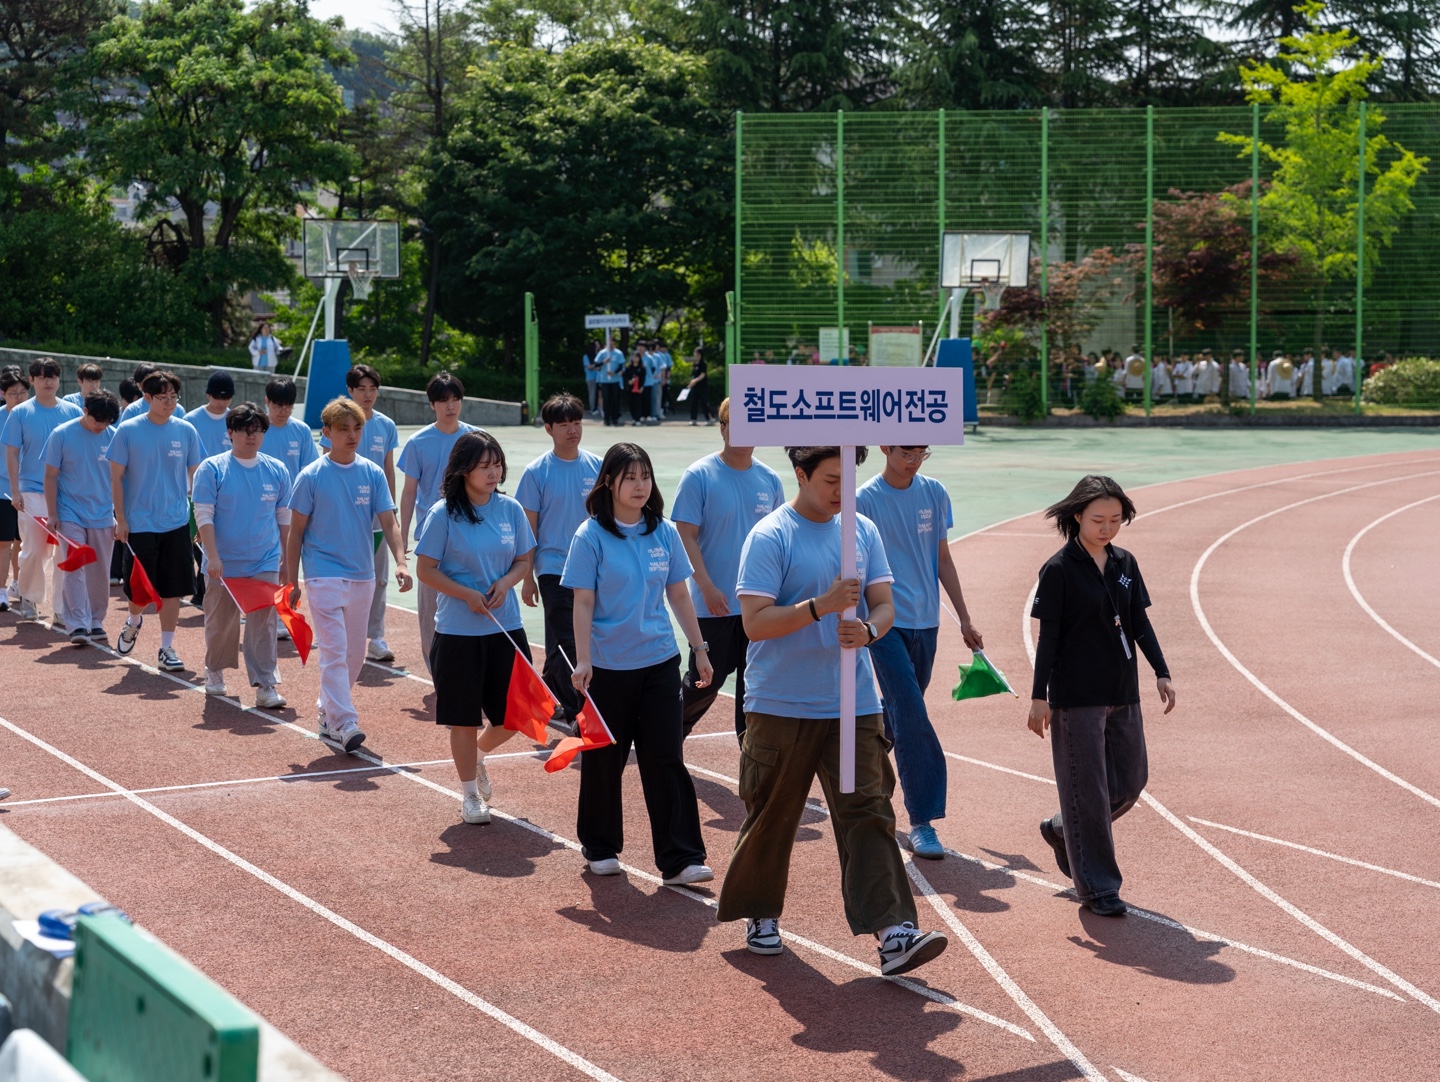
631 628
792 559
27 427
725 503
913 522
245 496
157 461
652 364
612 363
139 408
340 502
291 443
555 491
424 457
214 436
77 397
475 555
83 484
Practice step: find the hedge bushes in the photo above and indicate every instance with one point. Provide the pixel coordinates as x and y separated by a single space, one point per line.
1415 381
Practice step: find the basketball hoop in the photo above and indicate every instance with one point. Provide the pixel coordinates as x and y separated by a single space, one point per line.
362 279
992 289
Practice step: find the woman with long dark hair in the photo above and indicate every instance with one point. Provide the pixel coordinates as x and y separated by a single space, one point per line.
473 552
625 562
1091 603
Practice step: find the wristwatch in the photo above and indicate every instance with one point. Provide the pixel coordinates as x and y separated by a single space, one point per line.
871 631
703 646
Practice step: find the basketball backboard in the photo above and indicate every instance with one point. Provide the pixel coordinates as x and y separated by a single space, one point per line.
340 248
980 260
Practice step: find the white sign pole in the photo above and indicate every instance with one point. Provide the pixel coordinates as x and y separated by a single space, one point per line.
848 570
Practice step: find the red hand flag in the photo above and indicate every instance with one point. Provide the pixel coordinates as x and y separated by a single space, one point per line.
142 592
299 629
528 703
594 733
250 595
76 556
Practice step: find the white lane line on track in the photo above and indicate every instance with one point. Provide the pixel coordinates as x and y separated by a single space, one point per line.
409 961
1318 852
1259 684
1355 590
1293 910
997 766
1126 1076
997 973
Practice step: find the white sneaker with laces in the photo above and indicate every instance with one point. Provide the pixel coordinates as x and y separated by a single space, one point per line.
128 634
907 948
762 935
473 810
4 793
609 866
267 698
482 780
693 873
348 739
379 650
215 684
167 660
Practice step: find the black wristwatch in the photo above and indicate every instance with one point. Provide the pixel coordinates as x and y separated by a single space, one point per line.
871 630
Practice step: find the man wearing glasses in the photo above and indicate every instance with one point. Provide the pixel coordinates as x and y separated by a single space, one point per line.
912 513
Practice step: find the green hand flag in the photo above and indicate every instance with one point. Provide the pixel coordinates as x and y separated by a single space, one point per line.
980 678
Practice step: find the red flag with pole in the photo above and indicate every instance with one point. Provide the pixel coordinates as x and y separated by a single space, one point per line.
250 595
142 591
300 633
594 733
528 702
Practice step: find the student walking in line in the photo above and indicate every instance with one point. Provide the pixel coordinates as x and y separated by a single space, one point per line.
209 425
1091 602
718 503
153 459
912 513
335 503
626 561
88 376
141 405
423 462
242 505
14 389
27 427
474 546
81 508
792 595
553 490
288 438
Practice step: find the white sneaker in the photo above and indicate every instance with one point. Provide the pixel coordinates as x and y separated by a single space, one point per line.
473 810
267 698
215 684
26 611
762 935
168 660
908 947
4 793
694 873
482 780
12 594
379 650
610 866
348 739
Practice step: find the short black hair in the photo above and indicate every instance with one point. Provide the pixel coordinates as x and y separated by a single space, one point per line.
44 366
359 372
281 391
129 390
1091 487
89 371
807 459
443 387
103 406
562 407
157 382
613 467
141 371
470 450
246 417
11 376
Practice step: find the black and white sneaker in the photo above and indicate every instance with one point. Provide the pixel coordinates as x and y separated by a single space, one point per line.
908 947
128 634
762 935
80 637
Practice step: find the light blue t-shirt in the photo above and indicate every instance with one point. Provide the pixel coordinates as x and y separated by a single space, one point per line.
377 439
214 436
245 498
83 485
652 364
77 397
424 458
666 362
27 427
157 461
5 473
612 363
792 559
631 627
139 408
726 504
555 490
475 555
293 444
586 366
340 502
912 523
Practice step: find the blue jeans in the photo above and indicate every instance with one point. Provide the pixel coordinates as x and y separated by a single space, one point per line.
903 659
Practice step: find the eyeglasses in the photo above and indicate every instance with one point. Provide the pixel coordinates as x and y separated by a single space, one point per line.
914 456
164 398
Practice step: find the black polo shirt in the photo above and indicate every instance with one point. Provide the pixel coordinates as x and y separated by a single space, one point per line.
1078 606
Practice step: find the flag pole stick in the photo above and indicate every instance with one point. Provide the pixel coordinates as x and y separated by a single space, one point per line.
981 653
42 524
524 655
586 693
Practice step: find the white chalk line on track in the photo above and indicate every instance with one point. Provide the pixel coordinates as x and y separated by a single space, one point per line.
409 961
1126 1076
1355 590
1259 684
1318 852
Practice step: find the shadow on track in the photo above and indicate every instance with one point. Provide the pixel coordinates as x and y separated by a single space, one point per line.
660 919
1156 950
497 851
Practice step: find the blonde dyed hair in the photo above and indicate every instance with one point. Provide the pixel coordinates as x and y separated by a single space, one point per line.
723 413
340 410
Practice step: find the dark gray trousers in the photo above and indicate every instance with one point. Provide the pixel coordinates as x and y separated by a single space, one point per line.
1100 769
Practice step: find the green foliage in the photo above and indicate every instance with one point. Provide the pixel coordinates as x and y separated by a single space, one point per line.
1100 399
1022 396
1415 381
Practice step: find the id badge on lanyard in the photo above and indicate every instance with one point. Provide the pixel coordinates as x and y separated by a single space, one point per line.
1124 642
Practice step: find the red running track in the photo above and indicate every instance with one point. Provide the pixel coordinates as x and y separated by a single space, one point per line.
1283 860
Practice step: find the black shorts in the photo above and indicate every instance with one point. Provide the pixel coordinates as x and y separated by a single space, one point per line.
471 673
166 559
9 521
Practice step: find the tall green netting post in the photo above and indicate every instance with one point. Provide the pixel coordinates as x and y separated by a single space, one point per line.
1360 264
739 159
940 202
732 339
1045 258
1149 243
840 234
532 357
1254 255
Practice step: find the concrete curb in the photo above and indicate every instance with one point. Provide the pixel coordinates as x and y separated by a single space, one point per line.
38 984
1220 420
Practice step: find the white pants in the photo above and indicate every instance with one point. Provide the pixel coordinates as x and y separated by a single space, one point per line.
37 557
85 594
340 608
426 600
375 622
222 634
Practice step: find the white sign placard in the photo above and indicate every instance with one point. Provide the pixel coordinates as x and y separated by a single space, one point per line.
606 320
829 406
895 346
834 345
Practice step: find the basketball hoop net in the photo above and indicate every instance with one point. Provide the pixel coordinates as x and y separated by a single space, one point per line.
362 279
992 289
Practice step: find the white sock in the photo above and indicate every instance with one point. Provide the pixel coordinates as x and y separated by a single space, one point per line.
886 933
167 640
470 788
134 621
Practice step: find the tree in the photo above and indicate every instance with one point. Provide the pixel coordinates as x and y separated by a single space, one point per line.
224 116
982 55
1403 33
1311 208
1083 52
1076 296
1168 56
